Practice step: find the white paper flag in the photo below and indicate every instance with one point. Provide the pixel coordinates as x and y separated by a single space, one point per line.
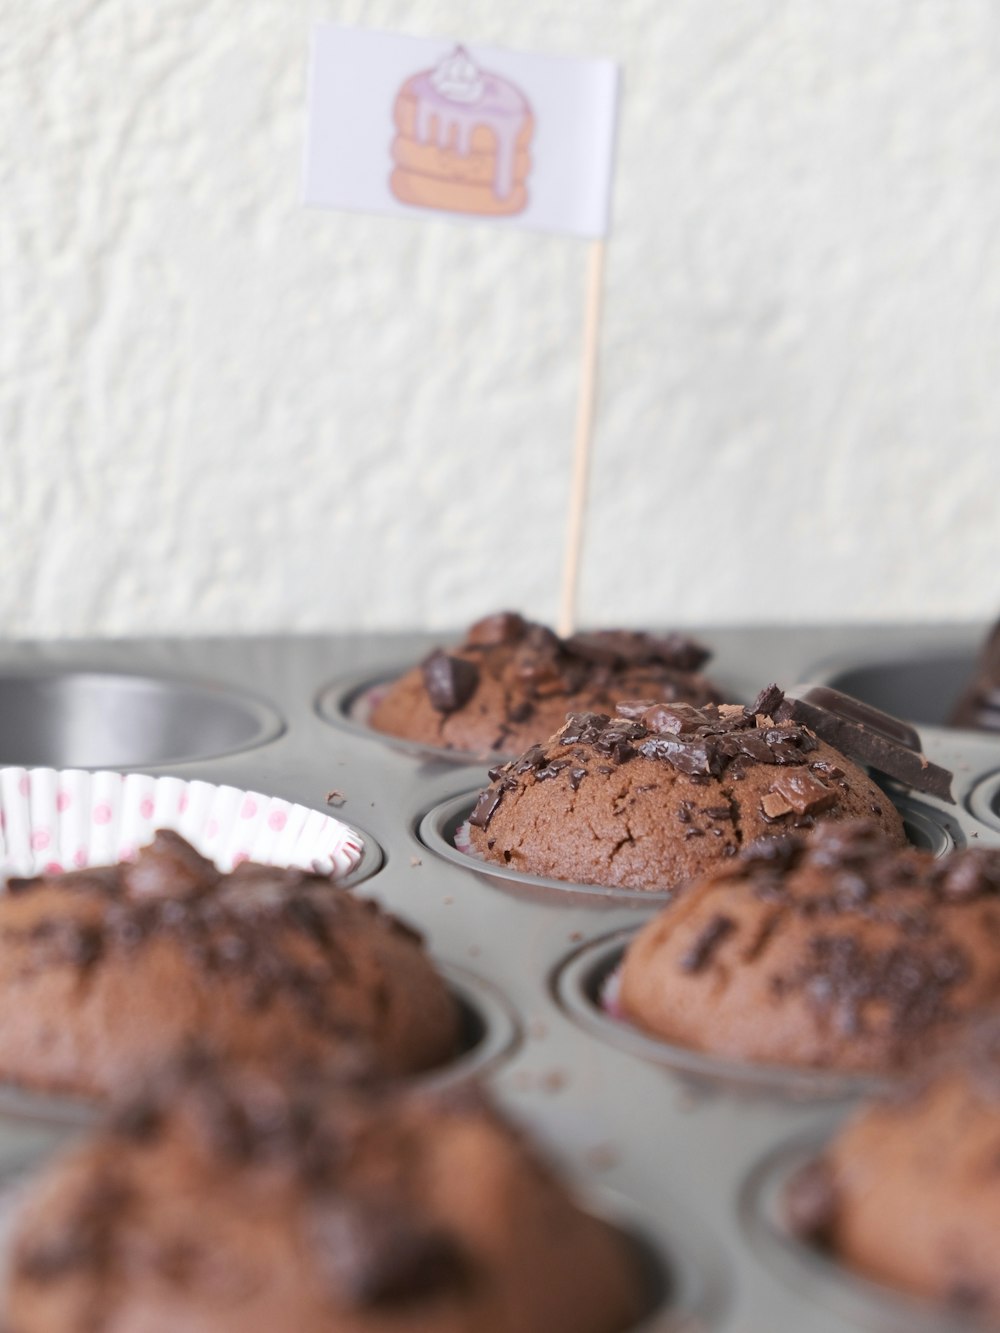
407 125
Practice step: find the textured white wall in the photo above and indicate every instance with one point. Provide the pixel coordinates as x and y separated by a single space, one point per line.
219 411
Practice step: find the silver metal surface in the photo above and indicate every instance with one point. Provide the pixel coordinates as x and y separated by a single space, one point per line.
102 719
677 1149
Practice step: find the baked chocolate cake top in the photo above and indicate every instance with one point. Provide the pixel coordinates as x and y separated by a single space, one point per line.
832 948
254 1197
104 971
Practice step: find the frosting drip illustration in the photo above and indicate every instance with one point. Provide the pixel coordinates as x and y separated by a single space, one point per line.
462 140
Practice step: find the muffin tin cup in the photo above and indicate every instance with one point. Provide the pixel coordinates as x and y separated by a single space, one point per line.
581 984
984 800
489 1031
348 704
84 718
439 829
686 1286
817 1276
71 819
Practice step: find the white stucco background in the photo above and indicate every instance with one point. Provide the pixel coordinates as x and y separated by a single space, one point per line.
220 411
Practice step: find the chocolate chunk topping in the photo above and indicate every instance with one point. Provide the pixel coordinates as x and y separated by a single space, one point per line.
870 736
804 793
450 681
486 807
703 949
767 702
169 868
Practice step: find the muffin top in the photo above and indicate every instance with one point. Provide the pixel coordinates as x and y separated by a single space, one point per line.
244 1200
512 682
908 1193
661 792
832 948
107 970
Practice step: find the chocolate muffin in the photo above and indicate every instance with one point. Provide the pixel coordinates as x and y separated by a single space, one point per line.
235 1201
832 948
103 972
660 792
909 1192
511 682
978 706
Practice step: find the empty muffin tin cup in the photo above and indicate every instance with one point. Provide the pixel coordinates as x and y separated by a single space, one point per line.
921 687
348 704
441 832
817 1276
584 986
104 719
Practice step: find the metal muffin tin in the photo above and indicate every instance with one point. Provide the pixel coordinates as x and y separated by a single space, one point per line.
687 1153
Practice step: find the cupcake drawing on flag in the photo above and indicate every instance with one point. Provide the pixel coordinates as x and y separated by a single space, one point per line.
462 140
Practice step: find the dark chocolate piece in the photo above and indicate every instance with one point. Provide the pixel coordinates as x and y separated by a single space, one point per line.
868 735
450 681
703 949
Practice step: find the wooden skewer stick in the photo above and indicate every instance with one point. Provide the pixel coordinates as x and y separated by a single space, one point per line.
585 413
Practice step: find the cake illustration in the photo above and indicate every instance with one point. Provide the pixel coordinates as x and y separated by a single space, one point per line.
462 140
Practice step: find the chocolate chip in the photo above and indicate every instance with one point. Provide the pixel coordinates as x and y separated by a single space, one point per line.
673 719
450 681
486 807
767 702
804 792
702 950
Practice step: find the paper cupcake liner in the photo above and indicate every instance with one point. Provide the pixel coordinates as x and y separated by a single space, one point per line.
52 821
463 841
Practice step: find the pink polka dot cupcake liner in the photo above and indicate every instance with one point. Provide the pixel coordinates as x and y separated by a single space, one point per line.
52 821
